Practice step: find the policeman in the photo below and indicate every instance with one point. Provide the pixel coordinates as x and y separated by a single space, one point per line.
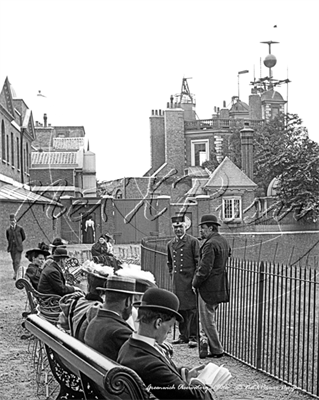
182 259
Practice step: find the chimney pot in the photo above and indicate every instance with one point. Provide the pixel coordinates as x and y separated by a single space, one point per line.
224 104
45 119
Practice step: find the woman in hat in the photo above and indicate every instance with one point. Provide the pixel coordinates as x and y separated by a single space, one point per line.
37 258
102 252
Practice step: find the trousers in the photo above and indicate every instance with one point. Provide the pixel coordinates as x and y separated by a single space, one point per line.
188 328
207 316
16 259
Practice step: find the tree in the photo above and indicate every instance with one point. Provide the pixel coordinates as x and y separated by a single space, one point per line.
282 149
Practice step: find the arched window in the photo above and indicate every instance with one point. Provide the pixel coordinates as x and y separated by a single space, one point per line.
3 141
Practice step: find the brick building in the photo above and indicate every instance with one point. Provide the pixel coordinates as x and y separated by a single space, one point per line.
17 134
60 165
34 212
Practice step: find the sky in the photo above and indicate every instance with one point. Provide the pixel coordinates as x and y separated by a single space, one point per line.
106 64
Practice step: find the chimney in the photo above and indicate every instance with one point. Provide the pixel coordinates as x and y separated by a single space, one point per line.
247 161
172 101
45 119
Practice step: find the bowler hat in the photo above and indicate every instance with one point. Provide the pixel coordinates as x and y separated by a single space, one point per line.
178 220
143 284
34 253
60 252
209 219
161 300
121 284
12 216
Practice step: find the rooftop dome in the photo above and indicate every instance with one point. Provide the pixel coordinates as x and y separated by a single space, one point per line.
271 95
239 106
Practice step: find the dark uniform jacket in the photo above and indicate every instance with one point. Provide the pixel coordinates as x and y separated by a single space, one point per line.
182 259
160 376
52 280
107 332
211 275
15 237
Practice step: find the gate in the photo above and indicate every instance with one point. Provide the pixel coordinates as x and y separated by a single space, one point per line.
133 221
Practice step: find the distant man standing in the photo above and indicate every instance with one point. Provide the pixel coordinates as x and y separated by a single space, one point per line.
182 260
15 236
211 281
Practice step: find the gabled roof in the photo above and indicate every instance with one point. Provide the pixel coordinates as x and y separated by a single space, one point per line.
228 175
53 158
14 193
6 98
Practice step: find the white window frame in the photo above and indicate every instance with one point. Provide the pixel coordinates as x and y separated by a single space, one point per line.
199 141
232 200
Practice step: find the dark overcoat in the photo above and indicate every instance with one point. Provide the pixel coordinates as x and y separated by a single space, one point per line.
106 333
211 276
15 237
160 376
182 260
52 280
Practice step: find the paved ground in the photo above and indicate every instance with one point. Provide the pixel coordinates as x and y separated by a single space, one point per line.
17 376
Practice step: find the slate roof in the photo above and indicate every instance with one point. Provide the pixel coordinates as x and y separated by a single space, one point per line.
54 158
227 174
14 193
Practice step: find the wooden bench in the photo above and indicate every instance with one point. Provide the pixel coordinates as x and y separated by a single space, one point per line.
81 372
46 305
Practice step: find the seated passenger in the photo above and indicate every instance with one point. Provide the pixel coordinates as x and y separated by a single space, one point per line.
52 280
75 306
102 252
37 258
157 314
108 330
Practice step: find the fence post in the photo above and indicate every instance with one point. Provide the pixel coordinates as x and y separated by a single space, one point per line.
260 313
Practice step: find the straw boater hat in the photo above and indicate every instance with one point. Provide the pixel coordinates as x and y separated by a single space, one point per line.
121 284
209 219
160 300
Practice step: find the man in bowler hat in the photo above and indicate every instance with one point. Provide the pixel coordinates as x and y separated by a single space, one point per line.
108 330
211 281
157 314
15 236
182 260
52 279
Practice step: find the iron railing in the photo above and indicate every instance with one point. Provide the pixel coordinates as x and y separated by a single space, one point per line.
221 123
272 320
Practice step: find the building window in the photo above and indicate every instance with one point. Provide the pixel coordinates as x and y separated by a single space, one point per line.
232 209
12 150
274 112
3 141
18 153
27 158
199 152
8 160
